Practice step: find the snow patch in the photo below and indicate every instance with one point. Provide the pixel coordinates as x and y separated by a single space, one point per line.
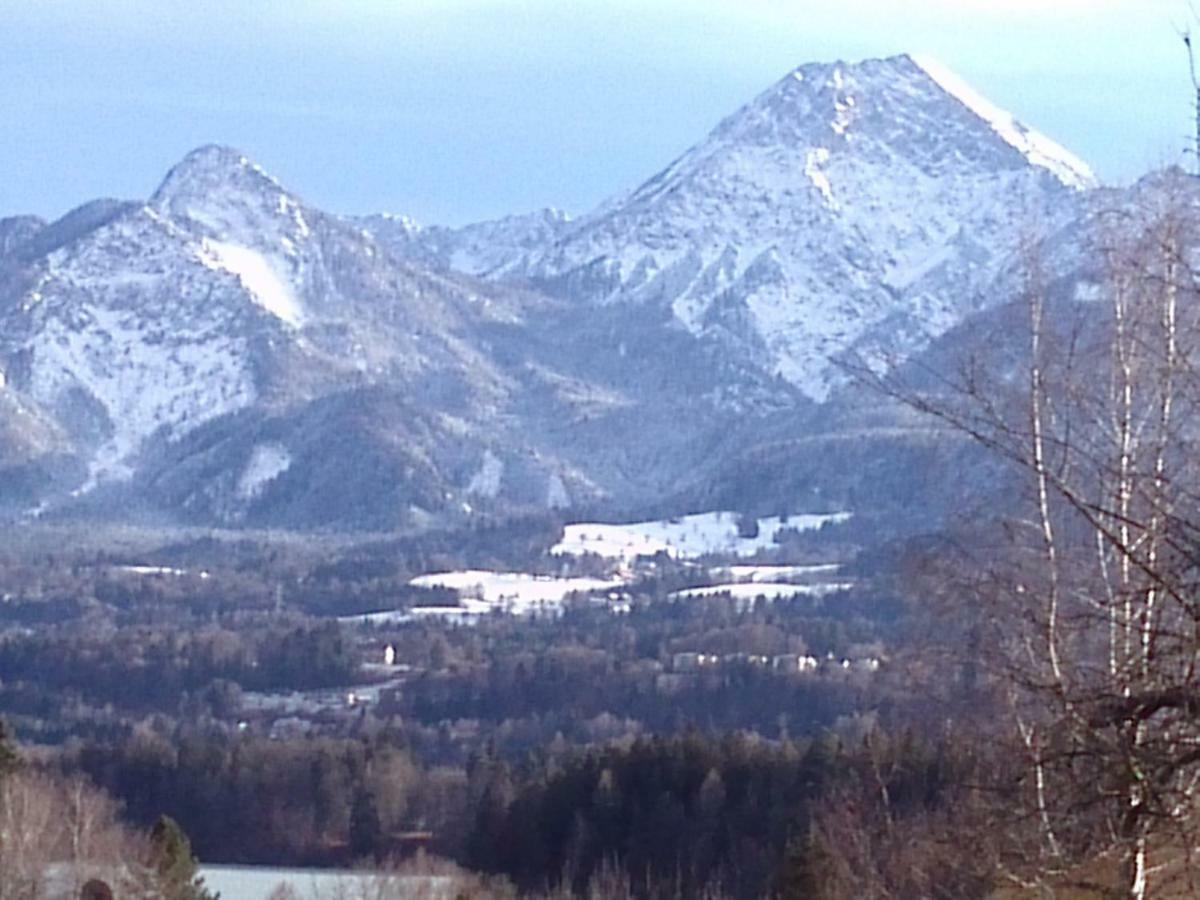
762 574
267 462
258 275
154 570
817 158
486 482
843 115
556 493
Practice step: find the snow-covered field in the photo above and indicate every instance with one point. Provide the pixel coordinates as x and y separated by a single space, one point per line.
758 574
253 883
766 590
155 570
481 592
516 592
687 537
465 614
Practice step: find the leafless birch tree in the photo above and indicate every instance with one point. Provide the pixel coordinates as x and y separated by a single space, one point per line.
1093 605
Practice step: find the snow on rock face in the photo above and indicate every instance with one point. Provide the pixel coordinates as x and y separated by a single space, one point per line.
865 205
488 248
124 335
259 276
219 191
247 223
267 462
847 207
1037 148
812 168
143 325
222 293
486 482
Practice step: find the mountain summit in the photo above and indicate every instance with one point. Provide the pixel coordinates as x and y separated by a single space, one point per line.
849 205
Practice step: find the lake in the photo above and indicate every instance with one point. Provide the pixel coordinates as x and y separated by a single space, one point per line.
257 883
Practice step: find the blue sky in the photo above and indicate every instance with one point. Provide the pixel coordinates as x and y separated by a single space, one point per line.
454 110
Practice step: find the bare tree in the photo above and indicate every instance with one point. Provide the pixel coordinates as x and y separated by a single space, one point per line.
56 835
1091 605
31 832
1185 34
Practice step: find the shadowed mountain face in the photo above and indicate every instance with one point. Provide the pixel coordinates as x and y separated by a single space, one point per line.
225 353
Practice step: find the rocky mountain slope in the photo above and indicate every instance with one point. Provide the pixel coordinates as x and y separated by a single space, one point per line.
863 205
488 249
226 353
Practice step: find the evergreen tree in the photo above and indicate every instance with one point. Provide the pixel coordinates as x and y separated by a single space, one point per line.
173 864
366 831
805 872
10 760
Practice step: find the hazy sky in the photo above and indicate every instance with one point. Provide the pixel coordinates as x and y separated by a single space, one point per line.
452 110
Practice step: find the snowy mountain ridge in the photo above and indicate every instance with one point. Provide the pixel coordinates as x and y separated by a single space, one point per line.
247 224
862 205
489 248
225 352
222 293
1034 146
123 335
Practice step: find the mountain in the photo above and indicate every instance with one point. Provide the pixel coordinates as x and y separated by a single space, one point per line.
488 249
865 205
225 353
221 294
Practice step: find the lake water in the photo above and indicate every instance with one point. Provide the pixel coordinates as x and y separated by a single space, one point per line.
254 883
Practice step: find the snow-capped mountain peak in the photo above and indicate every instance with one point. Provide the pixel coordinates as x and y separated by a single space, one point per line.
848 205
1036 147
142 319
245 222
218 193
